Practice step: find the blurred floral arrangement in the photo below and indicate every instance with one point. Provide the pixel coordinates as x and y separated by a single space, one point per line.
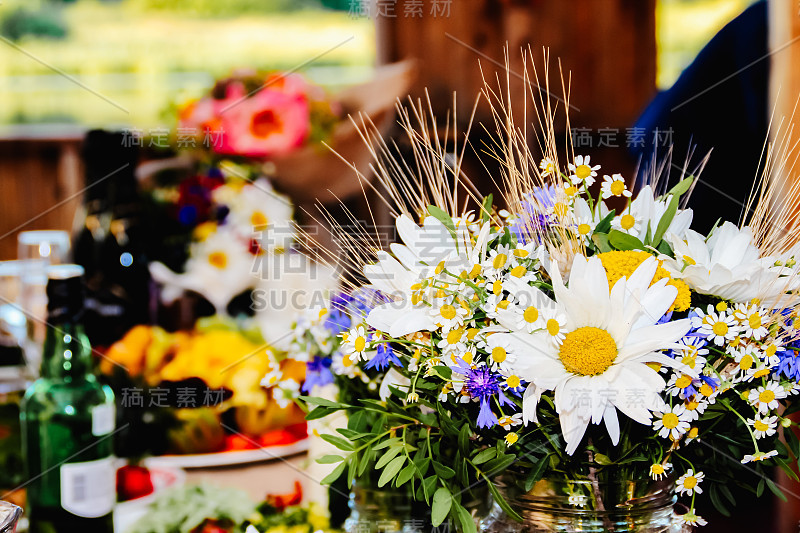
198 379
260 115
510 336
209 509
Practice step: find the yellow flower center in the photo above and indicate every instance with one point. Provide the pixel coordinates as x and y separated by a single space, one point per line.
766 397
346 361
683 381
763 372
498 354
553 327
359 344
670 420
497 287
754 321
503 304
467 357
720 328
512 382
475 272
623 264
688 260
448 312
657 470
499 261
561 209
531 315
218 259
691 406
258 219
518 271
706 390
760 426
471 332
512 438
439 268
627 221
571 190
617 188
522 254
721 306
746 362
454 336
583 171
584 228
587 351
690 482
771 349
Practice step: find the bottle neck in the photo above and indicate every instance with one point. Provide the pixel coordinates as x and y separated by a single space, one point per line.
67 353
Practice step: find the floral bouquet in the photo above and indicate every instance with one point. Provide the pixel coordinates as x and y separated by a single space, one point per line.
583 362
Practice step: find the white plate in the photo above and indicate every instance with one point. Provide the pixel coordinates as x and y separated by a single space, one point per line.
127 513
238 457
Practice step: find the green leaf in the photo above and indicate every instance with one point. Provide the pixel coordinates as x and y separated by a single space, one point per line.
366 459
760 488
485 455
681 187
605 225
339 442
623 241
314 400
357 421
349 434
333 476
666 220
422 466
319 412
487 208
428 484
601 241
352 464
439 214
499 500
444 472
330 459
537 472
775 490
405 475
601 459
388 456
442 500
465 519
665 248
463 439
386 443
391 470
443 372
717 501
502 462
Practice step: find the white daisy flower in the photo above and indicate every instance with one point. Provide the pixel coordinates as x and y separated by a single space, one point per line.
452 343
689 483
763 427
718 328
449 315
507 422
753 320
547 166
695 408
286 392
272 378
582 171
355 342
645 212
577 500
766 398
759 456
614 186
673 423
690 518
607 337
659 470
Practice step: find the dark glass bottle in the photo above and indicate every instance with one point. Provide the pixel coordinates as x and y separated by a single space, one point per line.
117 276
67 421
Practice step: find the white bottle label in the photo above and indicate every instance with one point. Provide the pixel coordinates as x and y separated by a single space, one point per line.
102 419
88 489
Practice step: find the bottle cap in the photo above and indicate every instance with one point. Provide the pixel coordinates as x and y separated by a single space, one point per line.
65 293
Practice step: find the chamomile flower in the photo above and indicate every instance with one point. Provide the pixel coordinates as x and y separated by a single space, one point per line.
449 315
766 398
286 392
682 385
495 304
577 500
695 408
547 166
355 342
752 320
452 343
511 438
614 186
507 422
716 327
691 518
759 456
582 171
659 470
689 483
763 427
672 423
272 378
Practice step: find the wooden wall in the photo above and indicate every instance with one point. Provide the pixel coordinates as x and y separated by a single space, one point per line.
40 185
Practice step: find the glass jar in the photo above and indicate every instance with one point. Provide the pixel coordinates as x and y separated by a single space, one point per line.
559 505
375 510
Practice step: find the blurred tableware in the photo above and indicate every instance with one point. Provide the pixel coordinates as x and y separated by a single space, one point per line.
12 320
9 516
38 249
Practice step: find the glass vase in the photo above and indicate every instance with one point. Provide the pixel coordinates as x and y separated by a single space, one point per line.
374 510
559 505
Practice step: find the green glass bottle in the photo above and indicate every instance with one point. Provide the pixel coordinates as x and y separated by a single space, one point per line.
67 423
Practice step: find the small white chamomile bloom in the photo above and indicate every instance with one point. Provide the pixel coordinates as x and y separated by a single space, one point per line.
759 456
763 427
672 423
689 483
614 186
581 171
766 398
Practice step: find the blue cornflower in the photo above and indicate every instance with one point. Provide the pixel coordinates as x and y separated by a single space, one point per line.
338 318
318 373
383 358
533 216
788 364
482 384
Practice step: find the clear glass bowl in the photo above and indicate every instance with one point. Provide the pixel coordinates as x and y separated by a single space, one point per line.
9 516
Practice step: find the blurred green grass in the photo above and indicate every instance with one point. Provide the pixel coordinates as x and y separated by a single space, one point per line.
147 55
146 60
